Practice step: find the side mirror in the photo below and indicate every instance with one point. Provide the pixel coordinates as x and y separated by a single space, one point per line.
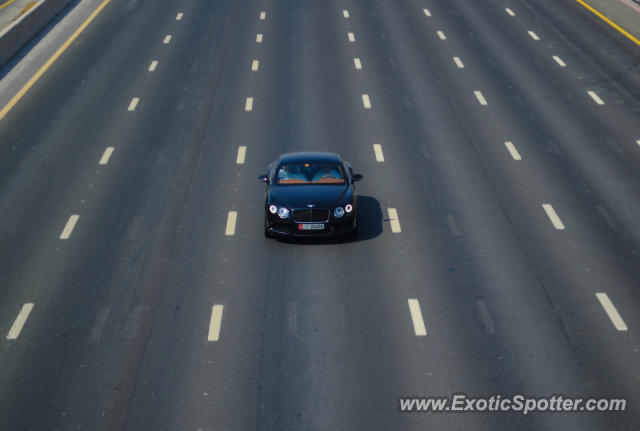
263 178
357 177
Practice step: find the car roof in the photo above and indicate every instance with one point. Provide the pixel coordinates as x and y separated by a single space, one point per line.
310 156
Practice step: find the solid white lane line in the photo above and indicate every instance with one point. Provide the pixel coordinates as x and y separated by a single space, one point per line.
167 39
480 97
426 12
512 150
611 311
214 324
509 11
441 35
551 213
351 37
357 63
153 66
416 317
345 13
15 330
254 65
259 38
242 151
263 15
533 35
133 104
595 97
377 149
393 220
559 61
68 228
458 62
231 223
179 16
366 102
248 105
106 156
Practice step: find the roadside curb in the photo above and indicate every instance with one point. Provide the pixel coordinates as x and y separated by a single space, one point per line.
13 38
623 16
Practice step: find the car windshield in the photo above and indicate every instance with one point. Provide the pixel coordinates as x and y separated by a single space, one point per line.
310 173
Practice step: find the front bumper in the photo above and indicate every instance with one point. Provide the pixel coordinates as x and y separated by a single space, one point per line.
287 227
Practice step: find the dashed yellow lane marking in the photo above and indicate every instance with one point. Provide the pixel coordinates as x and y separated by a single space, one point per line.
215 323
106 156
595 97
611 311
393 220
559 61
231 223
366 101
68 228
416 317
242 152
15 330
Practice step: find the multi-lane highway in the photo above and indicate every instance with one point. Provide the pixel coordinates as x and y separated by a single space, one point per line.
499 245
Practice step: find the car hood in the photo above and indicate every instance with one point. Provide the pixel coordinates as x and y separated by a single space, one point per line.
299 196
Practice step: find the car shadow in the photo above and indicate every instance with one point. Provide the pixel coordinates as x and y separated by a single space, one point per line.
369 225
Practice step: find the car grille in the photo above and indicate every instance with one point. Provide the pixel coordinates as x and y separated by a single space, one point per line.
310 215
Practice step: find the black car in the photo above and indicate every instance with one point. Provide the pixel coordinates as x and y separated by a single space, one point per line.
310 194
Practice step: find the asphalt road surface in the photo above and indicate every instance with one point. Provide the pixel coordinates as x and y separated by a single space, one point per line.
504 134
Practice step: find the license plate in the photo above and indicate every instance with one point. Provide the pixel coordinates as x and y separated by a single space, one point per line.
310 226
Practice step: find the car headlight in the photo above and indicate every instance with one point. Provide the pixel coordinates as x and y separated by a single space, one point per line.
283 212
273 209
338 212
348 208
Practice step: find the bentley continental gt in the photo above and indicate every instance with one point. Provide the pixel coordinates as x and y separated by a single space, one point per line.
310 194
